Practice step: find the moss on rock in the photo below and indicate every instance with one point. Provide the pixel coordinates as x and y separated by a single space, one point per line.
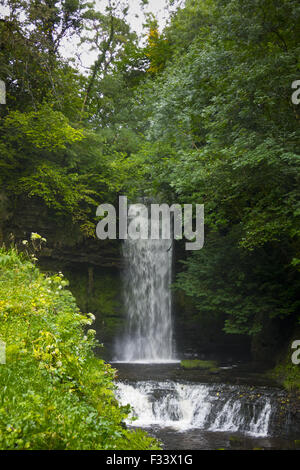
198 364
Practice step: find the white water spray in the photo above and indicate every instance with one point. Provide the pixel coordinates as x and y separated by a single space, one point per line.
147 299
196 406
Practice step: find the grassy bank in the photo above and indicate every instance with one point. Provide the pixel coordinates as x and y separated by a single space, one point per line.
54 394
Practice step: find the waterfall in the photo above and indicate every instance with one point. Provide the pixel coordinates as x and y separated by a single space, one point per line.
147 299
208 407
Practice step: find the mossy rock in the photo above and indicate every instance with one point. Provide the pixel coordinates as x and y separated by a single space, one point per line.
236 441
286 374
198 364
297 443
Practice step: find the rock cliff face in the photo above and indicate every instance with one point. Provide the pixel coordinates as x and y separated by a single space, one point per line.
203 337
66 245
198 335
92 266
98 290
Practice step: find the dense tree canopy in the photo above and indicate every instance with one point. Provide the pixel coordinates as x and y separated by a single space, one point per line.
222 130
199 113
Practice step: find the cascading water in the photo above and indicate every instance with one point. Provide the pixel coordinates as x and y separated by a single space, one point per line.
147 299
199 406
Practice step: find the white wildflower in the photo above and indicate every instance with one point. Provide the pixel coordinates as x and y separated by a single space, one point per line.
91 332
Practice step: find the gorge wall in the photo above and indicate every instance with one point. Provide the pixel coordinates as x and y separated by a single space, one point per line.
94 270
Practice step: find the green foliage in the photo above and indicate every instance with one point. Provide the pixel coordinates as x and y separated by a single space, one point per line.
285 372
44 129
239 287
54 394
62 135
287 375
220 129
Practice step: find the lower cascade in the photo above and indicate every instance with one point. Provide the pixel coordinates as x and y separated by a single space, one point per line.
208 407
